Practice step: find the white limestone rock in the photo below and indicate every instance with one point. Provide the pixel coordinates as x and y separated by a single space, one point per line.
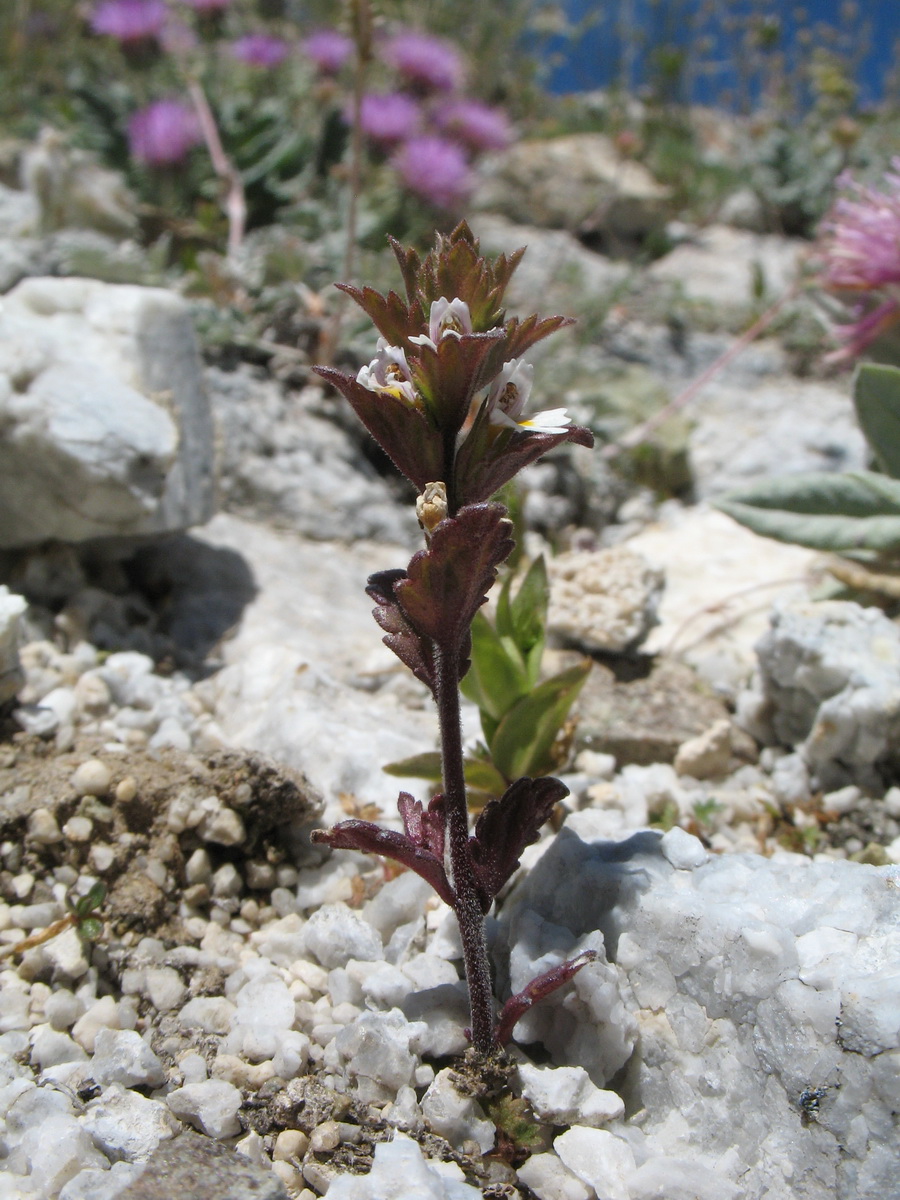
549 1179
457 1117
721 266
376 1053
335 934
758 986
108 430
11 609
566 1096
603 599
400 1171
122 1056
599 1159
707 755
830 679
127 1126
211 1106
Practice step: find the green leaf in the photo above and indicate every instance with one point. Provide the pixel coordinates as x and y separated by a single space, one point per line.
876 394
91 900
418 766
483 776
90 928
497 677
528 609
859 510
522 741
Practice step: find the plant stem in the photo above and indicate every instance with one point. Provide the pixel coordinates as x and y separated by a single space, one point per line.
467 906
235 201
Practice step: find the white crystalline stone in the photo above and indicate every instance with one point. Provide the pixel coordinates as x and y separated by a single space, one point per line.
56 1149
400 901
665 1175
102 1014
63 1008
126 1125
550 1180
376 1050
11 609
454 1116
93 1184
400 1172
404 1112
292 1054
43 827
122 1056
598 1158
682 849
335 934
264 1005
49 1048
603 599
211 1106
566 1096
211 1014
164 988
66 955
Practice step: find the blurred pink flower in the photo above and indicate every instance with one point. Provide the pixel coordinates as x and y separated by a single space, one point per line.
129 20
390 118
475 124
860 255
260 50
424 60
435 169
163 133
329 49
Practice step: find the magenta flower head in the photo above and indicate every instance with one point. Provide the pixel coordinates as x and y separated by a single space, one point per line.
860 254
129 20
476 125
390 118
329 49
425 62
259 50
435 169
163 133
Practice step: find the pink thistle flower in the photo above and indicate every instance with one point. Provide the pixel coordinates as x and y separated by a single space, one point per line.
424 61
435 169
329 49
163 133
129 20
860 249
390 118
475 124
260 50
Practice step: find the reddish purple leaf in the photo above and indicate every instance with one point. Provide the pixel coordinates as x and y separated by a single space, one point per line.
415 651
450 376
372 839
424 826
516 1006
447 583
410 264
403 431
393 319
505 827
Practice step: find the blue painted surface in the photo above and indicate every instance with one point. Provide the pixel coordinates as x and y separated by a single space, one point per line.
602 56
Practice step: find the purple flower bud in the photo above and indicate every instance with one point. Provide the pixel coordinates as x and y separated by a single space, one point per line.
435 169
329 49
423 60
259 50
163 133
390 118
129 20
475 124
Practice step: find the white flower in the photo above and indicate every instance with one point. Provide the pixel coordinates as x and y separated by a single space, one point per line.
448 318
508 396
388 373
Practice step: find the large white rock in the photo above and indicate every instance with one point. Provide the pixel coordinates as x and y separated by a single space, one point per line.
765 988
11 609
727 267
400 1171
107 428
830 682
603 599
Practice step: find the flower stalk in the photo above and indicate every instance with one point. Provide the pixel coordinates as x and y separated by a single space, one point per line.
445 397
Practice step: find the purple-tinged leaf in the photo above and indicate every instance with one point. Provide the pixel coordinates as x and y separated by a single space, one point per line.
522 335
447 583
449 376
505 827
372 839
413 650
410 265
491 456
516 1006
391 316
424 826
402 430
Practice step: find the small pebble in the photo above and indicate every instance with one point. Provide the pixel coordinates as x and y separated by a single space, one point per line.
126 789
78 829
326 1136
43 827
290 1143
92 778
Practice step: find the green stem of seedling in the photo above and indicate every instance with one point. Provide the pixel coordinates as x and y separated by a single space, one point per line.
467 906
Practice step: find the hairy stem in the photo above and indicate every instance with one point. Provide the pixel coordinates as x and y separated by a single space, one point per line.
467 905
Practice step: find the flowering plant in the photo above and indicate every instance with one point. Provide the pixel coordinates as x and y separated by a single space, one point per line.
445 397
